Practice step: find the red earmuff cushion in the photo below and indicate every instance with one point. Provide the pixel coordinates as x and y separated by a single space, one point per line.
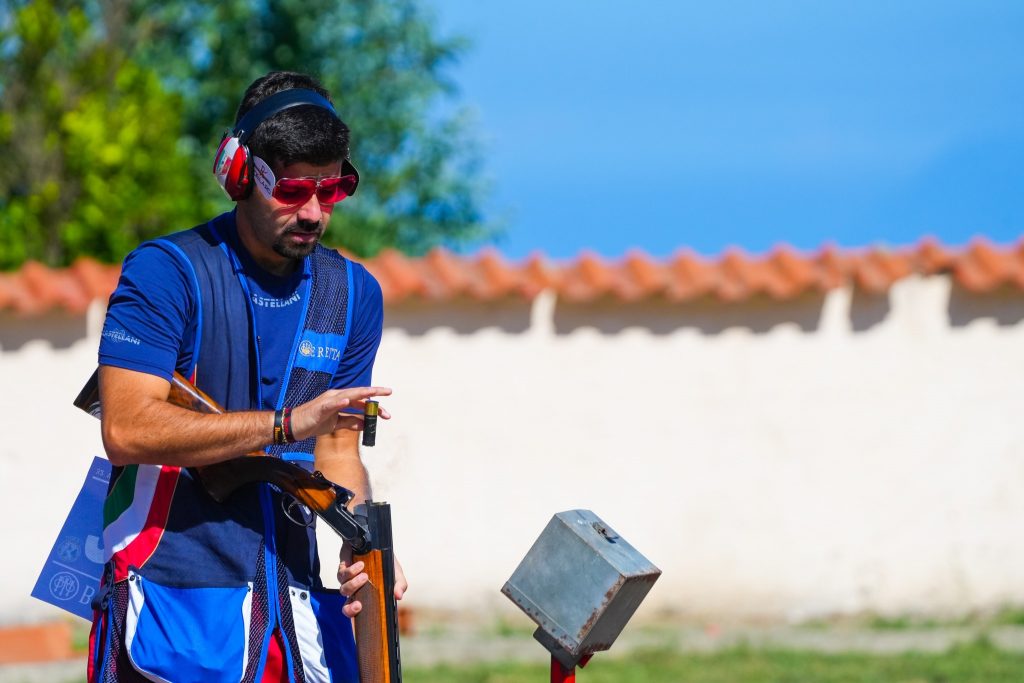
237 182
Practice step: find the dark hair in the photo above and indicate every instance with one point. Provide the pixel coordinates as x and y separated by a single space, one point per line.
306 133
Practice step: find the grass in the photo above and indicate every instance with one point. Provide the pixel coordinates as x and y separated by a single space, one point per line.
80 636
1010 616
1006 616
977 662
513 628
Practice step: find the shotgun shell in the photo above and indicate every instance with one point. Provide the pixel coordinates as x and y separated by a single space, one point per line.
370 423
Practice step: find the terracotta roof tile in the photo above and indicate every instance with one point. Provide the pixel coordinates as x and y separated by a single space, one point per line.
793 274
541 274
588 278
742 277
833 266
497 279
876 270
36 289
734 276
396 275
1017 254
984 267
643 277
690 277
933 257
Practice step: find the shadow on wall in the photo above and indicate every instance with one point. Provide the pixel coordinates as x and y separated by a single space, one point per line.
59 330
710 316
464 316
868 309
1004 305
608 316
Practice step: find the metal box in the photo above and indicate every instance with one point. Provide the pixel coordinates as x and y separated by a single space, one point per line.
581 582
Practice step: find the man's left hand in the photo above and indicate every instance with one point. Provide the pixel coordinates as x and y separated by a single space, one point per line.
352 578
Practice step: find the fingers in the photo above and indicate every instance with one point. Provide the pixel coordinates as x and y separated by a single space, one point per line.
348 589
349 405
353 422
359 408
401 585
352 578
324 414
352 608
360 394
348 574
335 400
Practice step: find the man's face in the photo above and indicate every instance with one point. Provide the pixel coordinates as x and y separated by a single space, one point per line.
287 232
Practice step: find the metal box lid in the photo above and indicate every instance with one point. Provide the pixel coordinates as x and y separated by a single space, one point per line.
580 582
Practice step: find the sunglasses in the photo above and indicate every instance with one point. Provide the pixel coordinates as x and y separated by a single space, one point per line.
296 191
329 190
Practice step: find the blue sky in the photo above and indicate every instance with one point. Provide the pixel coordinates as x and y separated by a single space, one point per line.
665 125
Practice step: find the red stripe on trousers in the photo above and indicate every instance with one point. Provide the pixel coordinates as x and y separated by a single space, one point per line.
275 671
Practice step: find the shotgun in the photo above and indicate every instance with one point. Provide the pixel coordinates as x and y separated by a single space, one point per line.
367 531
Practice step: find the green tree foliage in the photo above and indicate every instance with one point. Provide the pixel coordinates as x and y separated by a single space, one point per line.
89 142
141 90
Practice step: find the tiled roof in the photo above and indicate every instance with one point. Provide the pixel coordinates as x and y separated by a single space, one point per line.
734 276
36 289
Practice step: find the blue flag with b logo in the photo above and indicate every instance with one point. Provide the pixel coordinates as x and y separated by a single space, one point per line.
71 575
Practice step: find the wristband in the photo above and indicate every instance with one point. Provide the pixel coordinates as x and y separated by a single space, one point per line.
278 427
283 427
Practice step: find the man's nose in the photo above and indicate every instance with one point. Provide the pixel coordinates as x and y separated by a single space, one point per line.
311 211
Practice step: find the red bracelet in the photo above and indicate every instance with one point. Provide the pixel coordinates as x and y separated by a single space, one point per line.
286 426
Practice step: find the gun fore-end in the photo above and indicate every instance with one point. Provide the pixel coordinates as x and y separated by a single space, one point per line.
376 625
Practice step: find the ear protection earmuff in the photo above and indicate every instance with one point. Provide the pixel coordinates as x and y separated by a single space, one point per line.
233 164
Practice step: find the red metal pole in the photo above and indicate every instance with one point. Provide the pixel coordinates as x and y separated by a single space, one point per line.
559 674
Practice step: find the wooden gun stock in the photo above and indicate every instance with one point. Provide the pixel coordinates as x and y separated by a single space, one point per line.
376 625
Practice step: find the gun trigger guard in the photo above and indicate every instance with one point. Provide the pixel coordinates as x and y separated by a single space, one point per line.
287 510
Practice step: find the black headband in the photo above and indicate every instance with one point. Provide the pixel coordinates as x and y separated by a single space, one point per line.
275 104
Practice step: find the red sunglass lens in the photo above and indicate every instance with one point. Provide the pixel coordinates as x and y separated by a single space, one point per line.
333 190
294 190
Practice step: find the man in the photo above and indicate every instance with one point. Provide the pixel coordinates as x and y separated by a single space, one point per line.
283 333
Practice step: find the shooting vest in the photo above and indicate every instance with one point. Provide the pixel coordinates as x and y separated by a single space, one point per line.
195 588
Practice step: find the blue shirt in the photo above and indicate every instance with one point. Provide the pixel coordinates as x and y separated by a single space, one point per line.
151 323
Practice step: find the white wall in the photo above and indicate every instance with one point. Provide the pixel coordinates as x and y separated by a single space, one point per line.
858 455
775 459
48 444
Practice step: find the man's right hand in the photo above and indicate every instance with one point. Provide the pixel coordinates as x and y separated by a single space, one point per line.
323 414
